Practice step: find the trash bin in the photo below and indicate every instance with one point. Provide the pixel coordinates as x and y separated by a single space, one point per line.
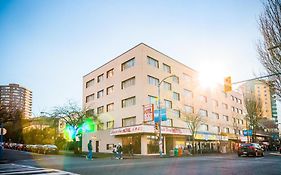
180 152
172 153
176 152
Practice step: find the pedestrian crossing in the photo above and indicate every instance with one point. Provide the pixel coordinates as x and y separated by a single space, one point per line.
16 169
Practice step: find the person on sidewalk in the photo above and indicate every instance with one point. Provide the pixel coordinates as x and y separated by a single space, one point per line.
90 151
119 151
115 154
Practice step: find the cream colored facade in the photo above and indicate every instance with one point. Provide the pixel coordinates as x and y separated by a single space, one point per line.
222 113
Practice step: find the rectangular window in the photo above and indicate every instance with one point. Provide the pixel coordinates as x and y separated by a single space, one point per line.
110 107
128 64
215 103
109 90
109 73
216 115
176 79
90 112
188 109
177 113
128 121
153 62
226 130
240 111
90 83
204 127
218 129
128 102
100 110
166 68
100 78
187 78
90 98
203 113
152 80
110 124
109 146
203 98
176 96
152 100
187 93
225 106
168 122
100 126
127 83
225 117
168 103
167 86
100 94
233 108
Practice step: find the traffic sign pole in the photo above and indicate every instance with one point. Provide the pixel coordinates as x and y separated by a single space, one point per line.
1 140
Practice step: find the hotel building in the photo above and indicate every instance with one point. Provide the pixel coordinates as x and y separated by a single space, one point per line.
120 90
15 97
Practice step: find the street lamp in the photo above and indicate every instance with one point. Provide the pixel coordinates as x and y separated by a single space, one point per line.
160 117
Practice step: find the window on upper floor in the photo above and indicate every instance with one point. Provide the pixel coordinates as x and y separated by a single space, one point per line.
177 113
168 104
90 83
153 62
109 73
188 109
128 64
100 94
129 102
203 113
152 100
109 90
218 129
187 78
167 86
110 107
215 103
152 80
225 106
215 115
225 117
100 110
130 121
203 98
166 68
187 93
127 83
100 78
90 98
204 127
226 130
176 79
110 124
176 96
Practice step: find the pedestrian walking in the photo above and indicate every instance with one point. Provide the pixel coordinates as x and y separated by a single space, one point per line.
90 151
114 150
119 151
131 151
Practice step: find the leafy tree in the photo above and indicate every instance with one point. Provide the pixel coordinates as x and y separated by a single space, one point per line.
74 117
269 48
193 122
254 114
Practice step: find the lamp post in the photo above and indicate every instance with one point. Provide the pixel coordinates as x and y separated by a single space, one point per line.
160 118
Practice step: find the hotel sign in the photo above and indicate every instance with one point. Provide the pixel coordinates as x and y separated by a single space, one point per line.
148 112
148 129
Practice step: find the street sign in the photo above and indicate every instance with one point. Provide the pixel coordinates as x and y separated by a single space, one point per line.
4 131
162 113
248 132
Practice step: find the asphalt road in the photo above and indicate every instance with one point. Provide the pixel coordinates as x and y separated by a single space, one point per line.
216 164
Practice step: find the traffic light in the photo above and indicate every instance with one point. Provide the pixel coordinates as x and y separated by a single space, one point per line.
227 84
156 127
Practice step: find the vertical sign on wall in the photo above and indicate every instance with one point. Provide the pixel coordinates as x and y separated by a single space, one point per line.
148 112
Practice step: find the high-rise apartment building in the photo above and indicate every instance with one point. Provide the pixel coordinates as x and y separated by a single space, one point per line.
15 97
120 90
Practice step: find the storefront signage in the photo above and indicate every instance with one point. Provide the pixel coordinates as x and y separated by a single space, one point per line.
148 129
248 132
148 112
203 136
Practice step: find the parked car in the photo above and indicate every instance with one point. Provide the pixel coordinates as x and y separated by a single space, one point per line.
253 149
280 149
50 149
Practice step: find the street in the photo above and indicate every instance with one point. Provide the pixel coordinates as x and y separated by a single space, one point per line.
210 164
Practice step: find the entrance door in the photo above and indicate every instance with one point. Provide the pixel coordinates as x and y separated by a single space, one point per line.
97 146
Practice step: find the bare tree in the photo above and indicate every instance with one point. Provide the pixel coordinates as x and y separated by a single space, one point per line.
193 122
269 48
254 114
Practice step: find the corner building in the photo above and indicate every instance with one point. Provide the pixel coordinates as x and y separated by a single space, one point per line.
118 91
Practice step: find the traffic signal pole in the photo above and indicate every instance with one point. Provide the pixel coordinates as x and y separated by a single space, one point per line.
261 77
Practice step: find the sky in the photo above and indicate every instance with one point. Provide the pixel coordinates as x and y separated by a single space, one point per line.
47 46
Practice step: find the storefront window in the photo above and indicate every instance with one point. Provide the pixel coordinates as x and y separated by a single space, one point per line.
131 143
152 145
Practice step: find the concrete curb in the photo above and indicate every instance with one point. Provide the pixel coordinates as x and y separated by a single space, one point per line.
275 154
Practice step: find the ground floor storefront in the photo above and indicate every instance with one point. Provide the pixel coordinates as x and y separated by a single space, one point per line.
142 139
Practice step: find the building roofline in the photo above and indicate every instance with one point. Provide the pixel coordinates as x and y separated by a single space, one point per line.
134 48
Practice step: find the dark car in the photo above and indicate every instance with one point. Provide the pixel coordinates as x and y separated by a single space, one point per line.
248 149
280 149
50 149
